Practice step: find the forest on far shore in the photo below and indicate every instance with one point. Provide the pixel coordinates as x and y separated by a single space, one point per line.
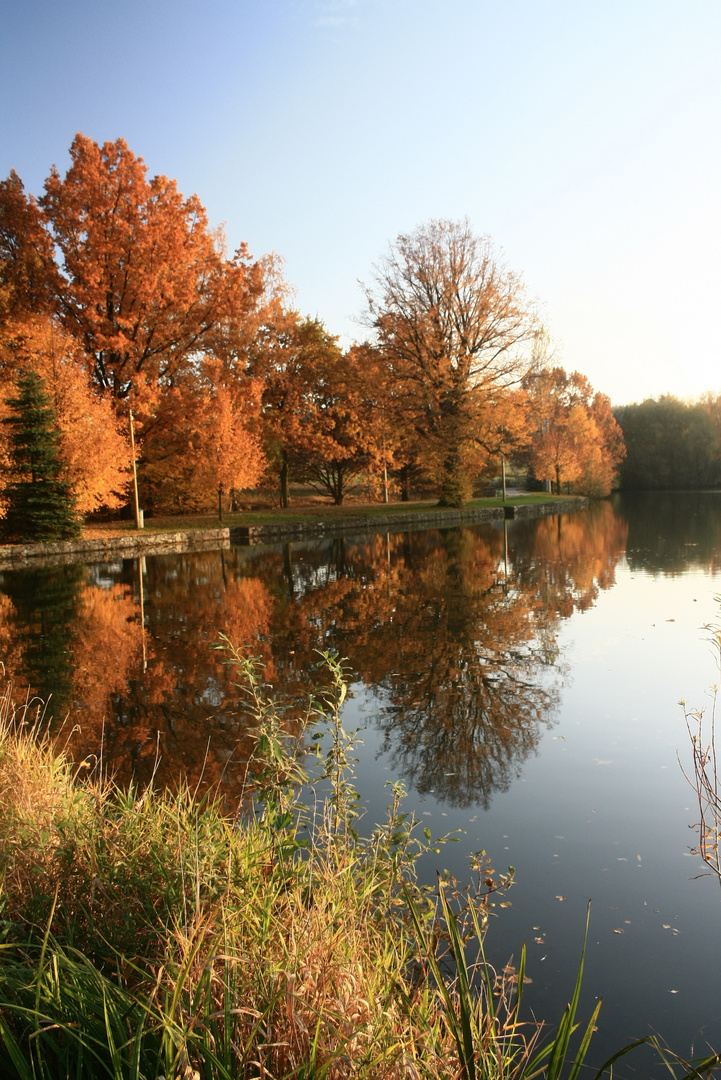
671 444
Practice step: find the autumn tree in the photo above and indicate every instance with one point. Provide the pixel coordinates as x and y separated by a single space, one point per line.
39 500
161 316
200 445
93 447
29 279
576 440
145 279
454 325
290 358
343 434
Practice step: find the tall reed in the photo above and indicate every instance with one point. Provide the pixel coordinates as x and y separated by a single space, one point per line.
147 934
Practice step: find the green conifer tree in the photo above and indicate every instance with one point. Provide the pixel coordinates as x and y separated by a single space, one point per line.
41 505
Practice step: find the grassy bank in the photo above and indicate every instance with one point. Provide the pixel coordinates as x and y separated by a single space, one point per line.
146 934
305 511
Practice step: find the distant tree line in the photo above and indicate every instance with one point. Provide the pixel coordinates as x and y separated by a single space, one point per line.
125 305
671 444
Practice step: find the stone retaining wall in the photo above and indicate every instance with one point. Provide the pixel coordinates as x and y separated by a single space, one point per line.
140 543
149 543
425 519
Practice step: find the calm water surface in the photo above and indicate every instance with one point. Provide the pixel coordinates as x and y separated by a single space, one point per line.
523 680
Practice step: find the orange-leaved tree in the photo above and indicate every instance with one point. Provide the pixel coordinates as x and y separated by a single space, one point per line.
455 327
163 317
29 279
145 278
576 439
94 449
345 433
202 442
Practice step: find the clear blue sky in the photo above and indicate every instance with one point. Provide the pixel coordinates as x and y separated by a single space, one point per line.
584 136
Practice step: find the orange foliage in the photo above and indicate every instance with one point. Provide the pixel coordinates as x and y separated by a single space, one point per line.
453 325
198 439
29 278
577 440
95 452
146 280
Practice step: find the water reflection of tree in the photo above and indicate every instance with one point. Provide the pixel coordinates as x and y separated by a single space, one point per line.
455 648
460 667
39 622
570 557
458 641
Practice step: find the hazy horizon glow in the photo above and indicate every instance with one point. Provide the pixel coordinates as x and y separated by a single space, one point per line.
584 139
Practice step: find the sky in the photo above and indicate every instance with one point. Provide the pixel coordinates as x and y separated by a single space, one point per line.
582 136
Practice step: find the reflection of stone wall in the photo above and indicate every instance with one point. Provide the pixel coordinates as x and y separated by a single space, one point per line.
405 522
534 510
67 551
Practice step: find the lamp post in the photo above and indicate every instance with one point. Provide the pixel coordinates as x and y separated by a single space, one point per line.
385 466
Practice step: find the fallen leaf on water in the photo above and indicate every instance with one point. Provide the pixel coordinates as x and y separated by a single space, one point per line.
618 930
539 940
667 926
673 991
560 898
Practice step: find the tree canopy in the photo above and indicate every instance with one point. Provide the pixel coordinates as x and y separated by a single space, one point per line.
117 292
671 443
454 327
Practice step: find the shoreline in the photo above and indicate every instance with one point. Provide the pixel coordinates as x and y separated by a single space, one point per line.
156 543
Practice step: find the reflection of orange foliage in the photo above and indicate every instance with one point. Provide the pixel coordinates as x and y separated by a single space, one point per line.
176 698
106 647
455 630
10 651
576 555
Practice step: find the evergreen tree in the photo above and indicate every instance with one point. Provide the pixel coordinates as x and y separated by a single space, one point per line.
41 505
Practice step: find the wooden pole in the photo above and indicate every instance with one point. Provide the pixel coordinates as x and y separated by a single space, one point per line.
138 520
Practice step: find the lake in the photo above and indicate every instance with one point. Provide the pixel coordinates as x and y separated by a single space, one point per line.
521 677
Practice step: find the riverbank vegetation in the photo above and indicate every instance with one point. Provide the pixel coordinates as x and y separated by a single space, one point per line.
119 296
148 934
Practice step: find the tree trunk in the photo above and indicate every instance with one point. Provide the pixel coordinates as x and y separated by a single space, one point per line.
284 484
405 484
